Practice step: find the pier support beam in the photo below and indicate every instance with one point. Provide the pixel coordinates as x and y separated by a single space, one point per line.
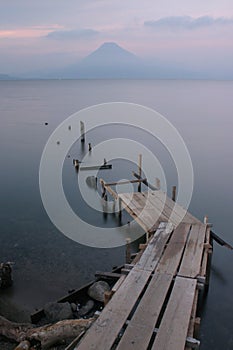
140 171
174 193
82 131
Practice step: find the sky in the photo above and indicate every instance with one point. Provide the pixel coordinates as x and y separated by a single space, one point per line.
42 34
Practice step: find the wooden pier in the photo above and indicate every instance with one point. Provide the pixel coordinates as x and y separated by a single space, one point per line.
154 303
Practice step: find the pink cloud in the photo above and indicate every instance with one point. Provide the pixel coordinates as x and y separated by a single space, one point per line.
29 32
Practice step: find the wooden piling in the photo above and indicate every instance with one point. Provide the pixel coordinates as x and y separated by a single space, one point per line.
140 171
82 131
209 258
174 193
120 207
145 182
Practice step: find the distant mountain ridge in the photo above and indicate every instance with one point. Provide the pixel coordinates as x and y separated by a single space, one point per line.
7 77
111 61
109 53
108 61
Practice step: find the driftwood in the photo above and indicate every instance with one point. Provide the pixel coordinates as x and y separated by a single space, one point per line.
45 336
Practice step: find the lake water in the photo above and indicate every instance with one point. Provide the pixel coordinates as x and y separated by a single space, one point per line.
48 264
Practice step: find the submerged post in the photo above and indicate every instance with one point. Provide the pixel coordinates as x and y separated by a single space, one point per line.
82 131
120 207
174 193
140 171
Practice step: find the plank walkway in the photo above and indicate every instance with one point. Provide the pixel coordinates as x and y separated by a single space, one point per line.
154 306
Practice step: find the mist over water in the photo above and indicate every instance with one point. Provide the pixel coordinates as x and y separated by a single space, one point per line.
47 264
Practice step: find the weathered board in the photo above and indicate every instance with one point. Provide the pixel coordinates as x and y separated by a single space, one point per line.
155 248
140 328
150 208
191 262
173 329
104 331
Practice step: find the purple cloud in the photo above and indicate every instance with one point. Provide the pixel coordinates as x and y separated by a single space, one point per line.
187 22
72 34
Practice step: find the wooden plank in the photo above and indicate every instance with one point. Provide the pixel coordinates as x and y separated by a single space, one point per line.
154 199
155 248
142 199
191 263
183 213
109 189
148 208
145 215
175 212
136 217
105 329
191 329
129 199
140 328
160 200
118 283
220 241
178 210
191 343
96 167
151 210
207 248
173 252
105 274
124 182
145 182
173 329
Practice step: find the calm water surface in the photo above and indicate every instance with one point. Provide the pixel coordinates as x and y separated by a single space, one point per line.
47 264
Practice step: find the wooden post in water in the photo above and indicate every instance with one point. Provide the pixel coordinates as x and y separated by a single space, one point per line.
140 171
174 193
210 252
157 183
128 251
103 189
82 131
119 207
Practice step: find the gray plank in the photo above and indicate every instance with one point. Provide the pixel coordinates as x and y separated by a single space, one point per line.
155 248
191 263
140 328
173 253
173 329
104 331
139 331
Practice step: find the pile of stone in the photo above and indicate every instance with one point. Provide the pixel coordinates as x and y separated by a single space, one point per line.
55 312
